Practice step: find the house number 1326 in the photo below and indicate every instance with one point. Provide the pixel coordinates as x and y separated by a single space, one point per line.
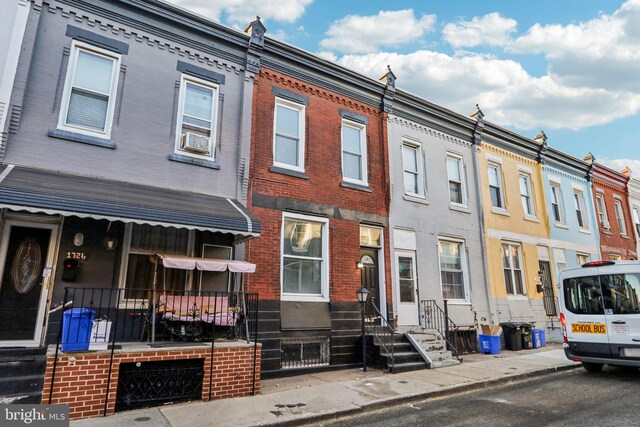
76 255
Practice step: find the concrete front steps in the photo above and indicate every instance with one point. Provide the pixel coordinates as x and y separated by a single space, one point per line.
433 347
403 358
22 375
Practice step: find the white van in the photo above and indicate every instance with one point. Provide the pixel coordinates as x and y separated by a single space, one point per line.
600 313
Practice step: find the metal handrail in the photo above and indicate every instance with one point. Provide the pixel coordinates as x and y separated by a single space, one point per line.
383 331
438 319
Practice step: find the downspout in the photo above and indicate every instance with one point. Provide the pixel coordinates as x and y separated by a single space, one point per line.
476 142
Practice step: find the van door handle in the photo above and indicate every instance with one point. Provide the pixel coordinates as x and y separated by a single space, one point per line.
635 339
618 322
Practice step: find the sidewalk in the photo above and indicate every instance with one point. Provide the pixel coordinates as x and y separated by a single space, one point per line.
313 397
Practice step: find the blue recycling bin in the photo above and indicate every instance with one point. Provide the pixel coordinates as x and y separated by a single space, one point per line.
539 338
76 329
490 344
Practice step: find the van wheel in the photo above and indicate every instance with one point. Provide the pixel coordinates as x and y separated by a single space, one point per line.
592 367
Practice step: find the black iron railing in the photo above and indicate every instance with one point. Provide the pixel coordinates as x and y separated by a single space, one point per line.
154 317
459 339
381 330
305 352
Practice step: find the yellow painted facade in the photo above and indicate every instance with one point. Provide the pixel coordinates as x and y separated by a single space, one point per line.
512 225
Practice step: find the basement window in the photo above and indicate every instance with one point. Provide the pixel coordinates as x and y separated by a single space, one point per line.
304 352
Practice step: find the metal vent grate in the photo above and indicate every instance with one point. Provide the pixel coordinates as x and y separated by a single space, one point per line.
305 352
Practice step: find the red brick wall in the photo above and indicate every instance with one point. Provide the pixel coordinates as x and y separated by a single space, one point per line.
82 384
323 165
610 184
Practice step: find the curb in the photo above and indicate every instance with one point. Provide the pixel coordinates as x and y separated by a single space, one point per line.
394 401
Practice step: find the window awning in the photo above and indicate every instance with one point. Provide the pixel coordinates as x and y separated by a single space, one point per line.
55 193
204 264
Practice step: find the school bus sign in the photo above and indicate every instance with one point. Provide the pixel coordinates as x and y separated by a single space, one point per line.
588 328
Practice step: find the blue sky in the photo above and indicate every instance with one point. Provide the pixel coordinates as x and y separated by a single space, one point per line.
568 67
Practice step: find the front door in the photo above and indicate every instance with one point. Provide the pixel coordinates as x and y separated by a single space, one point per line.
370 277
25 251
407 290
548 297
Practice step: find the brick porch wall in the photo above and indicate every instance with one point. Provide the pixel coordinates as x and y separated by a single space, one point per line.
82 383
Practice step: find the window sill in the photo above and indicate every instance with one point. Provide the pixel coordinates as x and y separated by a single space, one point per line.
585 231
500 211
353 186
460 208
415 199
561 225
625 236
81 138
531 218
517 297
604 231
289 172
458 302
181 158
303 298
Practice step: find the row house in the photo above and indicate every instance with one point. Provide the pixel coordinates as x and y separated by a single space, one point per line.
633 188
614 221
319 189
437 254
129 137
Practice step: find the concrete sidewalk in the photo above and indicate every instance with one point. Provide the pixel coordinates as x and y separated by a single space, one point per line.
313 397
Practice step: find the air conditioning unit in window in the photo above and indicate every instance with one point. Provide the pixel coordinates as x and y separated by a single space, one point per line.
605 224
195 143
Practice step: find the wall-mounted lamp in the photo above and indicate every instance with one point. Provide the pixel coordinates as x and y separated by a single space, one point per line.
110 242
78 239
360 265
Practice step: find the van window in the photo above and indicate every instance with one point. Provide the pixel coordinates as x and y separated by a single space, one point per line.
582 295
621 293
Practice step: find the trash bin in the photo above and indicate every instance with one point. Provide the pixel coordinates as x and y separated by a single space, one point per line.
490 344
76 329
512 335
539 338
527 338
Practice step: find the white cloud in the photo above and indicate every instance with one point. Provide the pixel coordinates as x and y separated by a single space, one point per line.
620 164
279 34
242 12
366 34
492 30
506 92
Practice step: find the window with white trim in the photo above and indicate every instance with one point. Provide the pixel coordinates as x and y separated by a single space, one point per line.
556 203
582 258
560 260
413 170
526 197
622 224
636 221
455 175
452 269
88 100
354 152
305 251
197 112
602 212
512 266
288 135
495 186
578 202
407 276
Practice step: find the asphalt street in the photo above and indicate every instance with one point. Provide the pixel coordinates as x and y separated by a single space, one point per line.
574 398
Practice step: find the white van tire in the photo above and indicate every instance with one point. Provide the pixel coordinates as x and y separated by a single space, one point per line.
592 367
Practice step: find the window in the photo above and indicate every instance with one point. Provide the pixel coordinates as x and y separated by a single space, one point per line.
582 258
525 194
304 257
370 236
407 277
354 153
561 261
583 295
512 265
602 212
456 183
556 204
621 293
412 169
615 257
452 269
636 221
495 186
89 94
622 225
288 139
197 118
578 201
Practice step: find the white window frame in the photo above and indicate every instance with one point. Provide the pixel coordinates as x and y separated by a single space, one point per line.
601 210
414 273
513 271
529 213
556 192
363 150
214 116
76 47
620 218
420 175
463 266
578 197
463 185
635 212
586 258
324 295
503 202
301 110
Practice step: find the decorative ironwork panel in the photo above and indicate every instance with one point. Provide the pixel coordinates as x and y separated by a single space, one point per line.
145 384
305 352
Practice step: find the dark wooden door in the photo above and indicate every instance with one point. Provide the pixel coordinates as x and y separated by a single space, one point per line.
370 276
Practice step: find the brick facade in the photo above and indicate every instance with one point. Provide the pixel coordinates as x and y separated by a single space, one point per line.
613 185
81 378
